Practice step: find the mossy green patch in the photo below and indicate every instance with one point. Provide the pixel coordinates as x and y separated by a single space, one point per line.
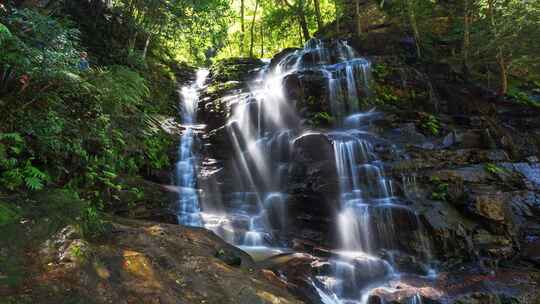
7 214
234 69
219 88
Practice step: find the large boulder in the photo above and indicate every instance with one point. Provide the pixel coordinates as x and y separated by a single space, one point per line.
142 262
313 146
492 205
450 231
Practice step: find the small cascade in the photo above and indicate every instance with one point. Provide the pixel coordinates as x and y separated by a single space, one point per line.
372 217
186 167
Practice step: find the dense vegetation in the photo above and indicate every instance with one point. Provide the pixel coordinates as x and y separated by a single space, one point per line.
74 139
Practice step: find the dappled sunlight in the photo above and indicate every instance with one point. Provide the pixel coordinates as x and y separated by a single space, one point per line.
139 266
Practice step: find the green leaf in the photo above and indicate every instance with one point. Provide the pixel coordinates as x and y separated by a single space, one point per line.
34 183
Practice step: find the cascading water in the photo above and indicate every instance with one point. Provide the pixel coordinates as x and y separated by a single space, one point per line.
263 127
186 167
367 199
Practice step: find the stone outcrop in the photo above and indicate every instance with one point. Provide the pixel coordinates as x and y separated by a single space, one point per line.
143 262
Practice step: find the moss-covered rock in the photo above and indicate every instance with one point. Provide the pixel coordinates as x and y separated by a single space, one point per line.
234 69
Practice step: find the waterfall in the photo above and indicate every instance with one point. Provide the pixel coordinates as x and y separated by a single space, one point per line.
186 167
262 128
368 207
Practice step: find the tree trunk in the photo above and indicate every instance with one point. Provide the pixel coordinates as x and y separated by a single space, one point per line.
303 21
357 18
300 38
146 44
503 68
336 3
466 38
243 27
317 5
414 26
501 62
262 39
252 30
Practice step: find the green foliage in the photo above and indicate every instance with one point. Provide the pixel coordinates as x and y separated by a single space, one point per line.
39 46
385 95
92 224
5 34
431 124
322 119
78 251
136 60
18 170
522 97
155 151
494 169
381 71
82 130
276 26
7 214
65 207
118 86
440 189
184 30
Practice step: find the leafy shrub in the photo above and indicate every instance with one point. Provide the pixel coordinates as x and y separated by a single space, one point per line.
322 119
92 225
73 130
155 151
440 191
136 60
5 34
381 71
7 214
18 170
431 124
40 46
493 169
522 97
117 87
385 95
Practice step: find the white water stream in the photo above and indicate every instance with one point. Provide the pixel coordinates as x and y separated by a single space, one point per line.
186 168
263 126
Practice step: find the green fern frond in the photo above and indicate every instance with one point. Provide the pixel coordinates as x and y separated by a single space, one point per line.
16 137
32 171
33 183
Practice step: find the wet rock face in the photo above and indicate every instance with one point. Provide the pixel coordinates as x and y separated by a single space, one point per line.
312 147
492 205
313 189
475 204
475 190
307 91
155 263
